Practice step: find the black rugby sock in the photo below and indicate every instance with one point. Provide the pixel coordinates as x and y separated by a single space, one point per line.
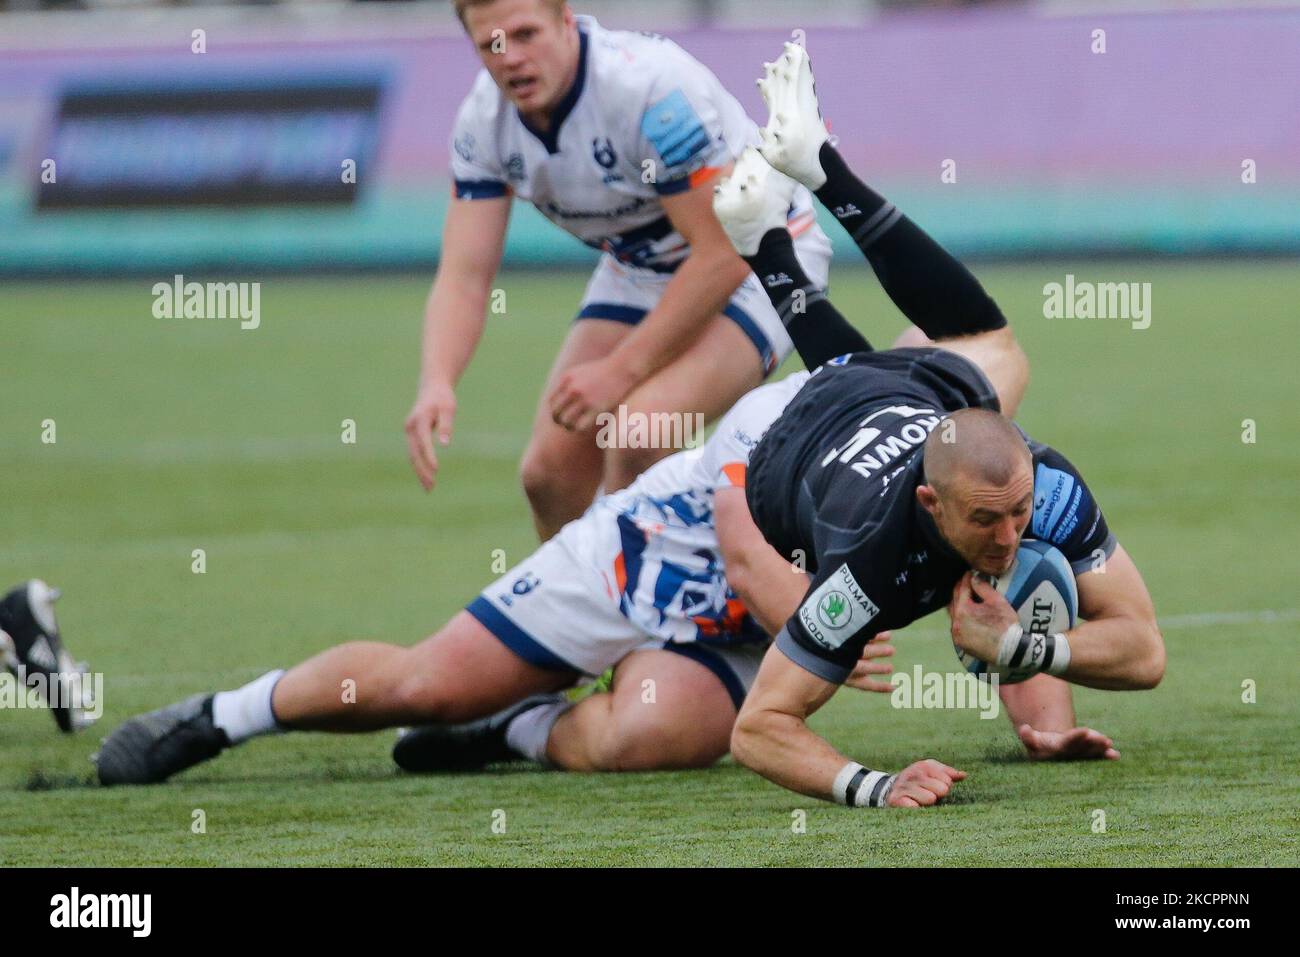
818 330
935 291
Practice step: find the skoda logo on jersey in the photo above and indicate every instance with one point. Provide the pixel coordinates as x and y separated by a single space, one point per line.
833 610
837 609
602 150
515 167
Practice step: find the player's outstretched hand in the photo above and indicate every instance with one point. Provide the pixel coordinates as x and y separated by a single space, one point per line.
1077 744
877 647
434 411
923 784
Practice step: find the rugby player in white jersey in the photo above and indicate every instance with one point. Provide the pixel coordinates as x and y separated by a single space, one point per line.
616 137
640 575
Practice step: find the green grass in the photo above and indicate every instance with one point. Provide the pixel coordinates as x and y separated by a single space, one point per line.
184 434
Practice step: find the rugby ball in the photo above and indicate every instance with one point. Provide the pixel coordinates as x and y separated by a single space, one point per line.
1040 587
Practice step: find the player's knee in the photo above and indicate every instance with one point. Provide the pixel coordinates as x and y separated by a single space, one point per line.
536 474
543 478
420 697
1017 374
912 337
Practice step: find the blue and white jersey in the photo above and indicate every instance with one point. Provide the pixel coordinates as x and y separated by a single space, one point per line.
667 567
643 119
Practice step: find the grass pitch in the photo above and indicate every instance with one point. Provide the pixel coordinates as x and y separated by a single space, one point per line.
175 435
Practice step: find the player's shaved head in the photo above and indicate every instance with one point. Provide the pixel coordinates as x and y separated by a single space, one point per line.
974 446
979 486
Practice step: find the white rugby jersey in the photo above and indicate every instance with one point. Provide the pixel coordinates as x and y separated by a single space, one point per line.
644 119
669 570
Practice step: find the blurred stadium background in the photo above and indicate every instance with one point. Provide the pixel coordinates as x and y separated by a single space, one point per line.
168 159
172 436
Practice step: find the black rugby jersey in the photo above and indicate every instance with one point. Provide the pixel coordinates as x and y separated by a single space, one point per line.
834 481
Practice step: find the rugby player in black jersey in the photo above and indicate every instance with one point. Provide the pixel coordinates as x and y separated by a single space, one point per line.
894 475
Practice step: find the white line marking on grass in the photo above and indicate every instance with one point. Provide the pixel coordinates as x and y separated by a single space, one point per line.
227 451
1263 616
1174 622
1200 619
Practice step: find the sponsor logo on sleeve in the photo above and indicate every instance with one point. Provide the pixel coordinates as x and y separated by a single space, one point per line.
464 146
837 610
1056 504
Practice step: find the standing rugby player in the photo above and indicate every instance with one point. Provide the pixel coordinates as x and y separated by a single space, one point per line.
615 137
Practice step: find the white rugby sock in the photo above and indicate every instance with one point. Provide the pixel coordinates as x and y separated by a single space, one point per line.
527 734
246 712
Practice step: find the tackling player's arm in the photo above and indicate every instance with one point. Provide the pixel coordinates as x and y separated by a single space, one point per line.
771 588
698 291
454 316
